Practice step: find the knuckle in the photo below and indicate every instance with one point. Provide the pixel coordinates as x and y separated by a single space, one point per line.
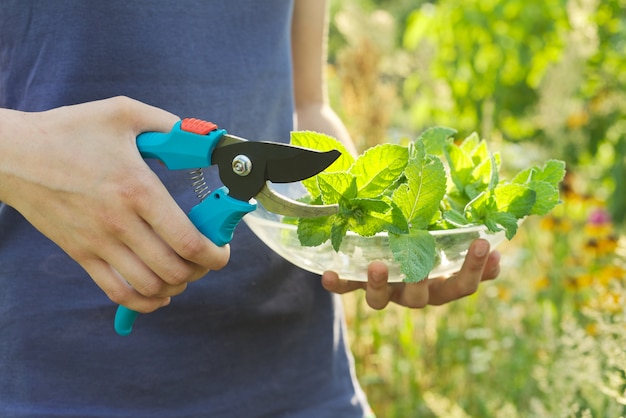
122 105
376 303
467 289
153 289
132 191
113 223
178 275
119 296
191 246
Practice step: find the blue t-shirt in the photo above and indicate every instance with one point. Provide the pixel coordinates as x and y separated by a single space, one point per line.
260 338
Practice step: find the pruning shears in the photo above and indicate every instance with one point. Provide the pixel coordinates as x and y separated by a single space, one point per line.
245 168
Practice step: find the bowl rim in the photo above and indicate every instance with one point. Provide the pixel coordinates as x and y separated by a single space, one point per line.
437 232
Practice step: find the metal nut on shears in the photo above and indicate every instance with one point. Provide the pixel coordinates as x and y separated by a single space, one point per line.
242 165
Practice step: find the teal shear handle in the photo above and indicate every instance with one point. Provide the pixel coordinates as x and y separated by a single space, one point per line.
189 145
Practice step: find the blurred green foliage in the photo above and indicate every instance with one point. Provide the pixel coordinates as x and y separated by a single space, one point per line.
551 73
539 79
486 62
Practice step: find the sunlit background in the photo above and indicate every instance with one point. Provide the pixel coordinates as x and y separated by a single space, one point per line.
538 79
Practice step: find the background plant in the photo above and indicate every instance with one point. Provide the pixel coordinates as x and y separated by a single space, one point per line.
539 80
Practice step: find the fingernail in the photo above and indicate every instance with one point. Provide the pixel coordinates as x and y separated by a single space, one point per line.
166 302
480 248
377 277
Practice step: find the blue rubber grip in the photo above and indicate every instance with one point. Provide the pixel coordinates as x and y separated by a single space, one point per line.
124 320
179 149
216 217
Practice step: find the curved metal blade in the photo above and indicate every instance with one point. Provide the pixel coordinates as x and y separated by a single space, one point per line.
276 162
295 164
277 203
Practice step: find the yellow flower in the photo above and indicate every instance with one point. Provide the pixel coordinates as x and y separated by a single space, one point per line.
601 247
592 329
584 280
610 302
609 273
504 294
600 230
577 119
541 283
556 224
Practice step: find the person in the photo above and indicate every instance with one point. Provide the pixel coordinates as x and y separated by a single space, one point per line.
256 336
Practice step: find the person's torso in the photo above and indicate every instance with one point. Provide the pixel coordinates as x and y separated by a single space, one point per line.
258 337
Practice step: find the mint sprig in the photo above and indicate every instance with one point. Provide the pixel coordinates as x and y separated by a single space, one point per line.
407 191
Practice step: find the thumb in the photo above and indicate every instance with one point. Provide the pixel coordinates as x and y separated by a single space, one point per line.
144 117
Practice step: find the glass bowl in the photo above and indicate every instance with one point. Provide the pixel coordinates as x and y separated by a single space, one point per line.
356 252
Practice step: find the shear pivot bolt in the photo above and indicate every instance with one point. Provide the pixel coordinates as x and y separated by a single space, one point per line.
242 165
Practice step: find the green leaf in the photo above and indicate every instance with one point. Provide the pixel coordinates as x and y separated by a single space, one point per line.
405 191
456 218
434 139
547 197
478 207
514 198
337 233
420 196
321 142
497 221
415 252
545 183
368 217
461 166
524 176
314 231
397 221
335 187
378 169
480 153
485 175
469 144
553 172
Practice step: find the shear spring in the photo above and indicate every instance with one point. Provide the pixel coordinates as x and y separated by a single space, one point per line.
198 183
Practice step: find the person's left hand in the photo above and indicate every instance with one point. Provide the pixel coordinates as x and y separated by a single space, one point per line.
479 265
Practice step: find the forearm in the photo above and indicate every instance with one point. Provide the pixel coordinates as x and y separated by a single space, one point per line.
309 45
320 117
14 150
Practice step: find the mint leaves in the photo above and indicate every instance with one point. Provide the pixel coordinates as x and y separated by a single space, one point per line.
407 191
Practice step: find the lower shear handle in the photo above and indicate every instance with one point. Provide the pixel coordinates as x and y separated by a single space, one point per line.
216 217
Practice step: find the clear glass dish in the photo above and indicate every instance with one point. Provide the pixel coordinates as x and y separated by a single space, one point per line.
356 252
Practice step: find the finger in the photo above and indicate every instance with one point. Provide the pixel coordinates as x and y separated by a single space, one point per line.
466 281
412 295
332 283
154 202
118 290
378 292
159 210
160 258
492 266
144 118
136 273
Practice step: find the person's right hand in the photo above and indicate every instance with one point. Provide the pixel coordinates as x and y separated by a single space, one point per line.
75 173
